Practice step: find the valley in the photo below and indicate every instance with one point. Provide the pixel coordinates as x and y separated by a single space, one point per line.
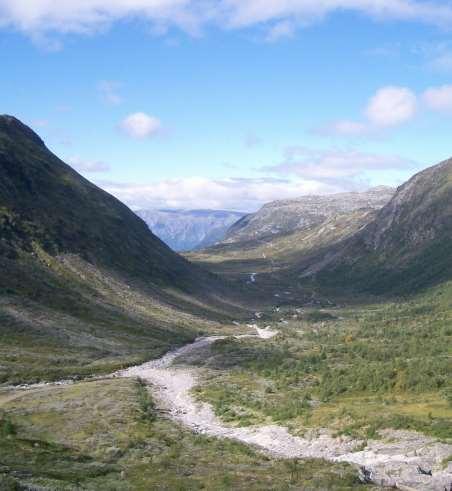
315 357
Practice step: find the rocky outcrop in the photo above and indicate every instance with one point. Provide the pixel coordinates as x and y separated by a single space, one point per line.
286 216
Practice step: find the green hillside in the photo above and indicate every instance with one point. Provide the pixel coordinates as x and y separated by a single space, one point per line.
85 286
407 247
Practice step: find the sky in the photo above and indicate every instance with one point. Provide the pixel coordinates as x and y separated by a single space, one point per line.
228 104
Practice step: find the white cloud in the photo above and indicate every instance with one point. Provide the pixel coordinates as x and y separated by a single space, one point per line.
346 127
303 171
249 12
338 167
439 98
140 125
200 192
35 17
391 106
109 91
283 29
82 165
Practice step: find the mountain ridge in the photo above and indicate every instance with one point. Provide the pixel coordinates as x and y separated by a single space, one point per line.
285 216
185 230
405 247
85 285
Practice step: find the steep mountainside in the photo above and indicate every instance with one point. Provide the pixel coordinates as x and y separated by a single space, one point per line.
280 251
407 246
289 215
84 284
185 230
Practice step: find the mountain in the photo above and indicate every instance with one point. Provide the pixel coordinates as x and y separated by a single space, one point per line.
280 251
399 248
407 246
185 230
289 215
284 235
85 286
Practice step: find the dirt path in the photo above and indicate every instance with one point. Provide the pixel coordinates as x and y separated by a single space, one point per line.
392 461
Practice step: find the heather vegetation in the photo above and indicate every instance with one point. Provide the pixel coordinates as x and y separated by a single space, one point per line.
105 435
354 370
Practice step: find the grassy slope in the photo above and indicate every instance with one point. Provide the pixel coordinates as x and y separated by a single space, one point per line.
354 370
106 435
407 247
279 251
67 318
85 286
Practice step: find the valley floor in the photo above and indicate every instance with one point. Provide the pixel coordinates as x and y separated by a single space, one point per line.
393 461
107 435
335 390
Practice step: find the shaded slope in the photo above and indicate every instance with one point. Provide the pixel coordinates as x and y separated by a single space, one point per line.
85 285
278 252
45 201
406 247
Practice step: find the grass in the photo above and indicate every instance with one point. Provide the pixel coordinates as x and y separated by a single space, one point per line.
85 287
69 319
354 370
107 435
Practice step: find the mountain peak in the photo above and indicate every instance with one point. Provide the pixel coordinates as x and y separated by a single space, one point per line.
14 128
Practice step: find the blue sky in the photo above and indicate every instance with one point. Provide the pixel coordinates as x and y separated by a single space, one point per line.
227 104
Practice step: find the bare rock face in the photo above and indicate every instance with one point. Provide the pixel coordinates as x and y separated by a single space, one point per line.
289 215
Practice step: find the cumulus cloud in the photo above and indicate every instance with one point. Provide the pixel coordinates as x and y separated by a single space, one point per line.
279 16
140 125
200 192
341 168
389 107
302 171
109 92
83 165
439 98
249 12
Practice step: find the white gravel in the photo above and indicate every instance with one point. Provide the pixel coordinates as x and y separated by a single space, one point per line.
392 461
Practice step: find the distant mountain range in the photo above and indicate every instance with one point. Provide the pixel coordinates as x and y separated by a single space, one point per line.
286 216
186 230
382 241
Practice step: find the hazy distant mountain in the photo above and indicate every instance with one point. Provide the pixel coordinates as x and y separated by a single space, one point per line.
185 230
297 214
